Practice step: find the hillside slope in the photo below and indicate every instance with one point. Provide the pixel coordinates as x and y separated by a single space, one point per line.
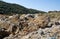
8 8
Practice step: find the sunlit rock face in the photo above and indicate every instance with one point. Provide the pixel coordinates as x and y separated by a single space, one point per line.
29 26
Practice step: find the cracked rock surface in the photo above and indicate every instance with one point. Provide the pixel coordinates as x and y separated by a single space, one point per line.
30 26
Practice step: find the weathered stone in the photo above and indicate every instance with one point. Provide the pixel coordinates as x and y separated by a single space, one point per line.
29 26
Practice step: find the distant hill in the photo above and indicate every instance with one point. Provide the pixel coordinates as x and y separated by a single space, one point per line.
53 11
8 8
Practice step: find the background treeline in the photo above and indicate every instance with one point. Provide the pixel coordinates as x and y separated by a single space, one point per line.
8 8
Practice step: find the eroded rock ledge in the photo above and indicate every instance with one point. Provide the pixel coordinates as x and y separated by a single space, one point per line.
29 26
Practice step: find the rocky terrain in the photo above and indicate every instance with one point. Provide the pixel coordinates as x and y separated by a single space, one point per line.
19 22
30 26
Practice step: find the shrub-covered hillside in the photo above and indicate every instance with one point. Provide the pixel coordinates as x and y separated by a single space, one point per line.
8 8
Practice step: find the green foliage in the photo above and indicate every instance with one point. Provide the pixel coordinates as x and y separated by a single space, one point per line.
33 11
8 8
